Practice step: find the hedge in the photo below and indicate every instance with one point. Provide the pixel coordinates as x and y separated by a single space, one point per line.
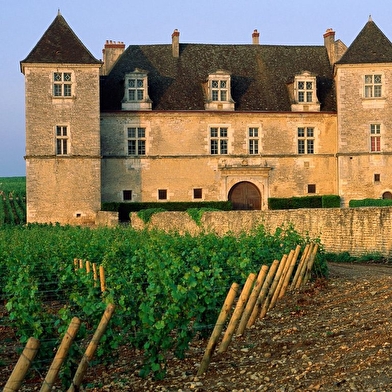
324 201
370 203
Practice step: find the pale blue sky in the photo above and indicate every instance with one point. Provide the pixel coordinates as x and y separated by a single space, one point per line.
299 22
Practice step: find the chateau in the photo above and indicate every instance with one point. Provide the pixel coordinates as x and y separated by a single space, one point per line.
203 122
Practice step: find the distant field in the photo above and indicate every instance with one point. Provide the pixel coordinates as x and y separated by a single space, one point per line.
12 200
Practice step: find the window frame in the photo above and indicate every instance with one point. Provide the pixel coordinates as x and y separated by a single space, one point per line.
219 141
61 87
62 140
375 137
138 142
197 193
127 195
312 189
306 140
162 194
253 141
372 89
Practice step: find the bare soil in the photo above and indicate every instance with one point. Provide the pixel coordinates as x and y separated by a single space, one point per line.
333 335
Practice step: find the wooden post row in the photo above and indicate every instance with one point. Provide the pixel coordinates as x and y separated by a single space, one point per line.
252 299
61 354
90 351
235 318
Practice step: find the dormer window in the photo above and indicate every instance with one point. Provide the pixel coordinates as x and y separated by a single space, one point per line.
305 94
305 91
218 95
136 91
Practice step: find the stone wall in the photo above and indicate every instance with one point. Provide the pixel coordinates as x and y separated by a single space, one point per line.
355 230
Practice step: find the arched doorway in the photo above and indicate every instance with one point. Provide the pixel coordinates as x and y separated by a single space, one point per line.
245 196
387 195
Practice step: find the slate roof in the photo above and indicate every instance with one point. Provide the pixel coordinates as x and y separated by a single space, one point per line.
59 44
370 46
259 75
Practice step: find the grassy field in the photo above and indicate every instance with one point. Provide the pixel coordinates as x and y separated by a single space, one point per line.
12 200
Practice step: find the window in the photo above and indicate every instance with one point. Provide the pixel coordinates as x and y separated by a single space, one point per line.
375 137
136 138
305 91
62 145
162 194
311 188
373 86
62 84
197 193
136 91
253 135
377 178
218 140
306 140
219 90
127 195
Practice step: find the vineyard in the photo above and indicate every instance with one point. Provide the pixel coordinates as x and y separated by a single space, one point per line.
12 200
167 288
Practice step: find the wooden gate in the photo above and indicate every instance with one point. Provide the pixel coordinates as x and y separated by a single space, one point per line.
245 196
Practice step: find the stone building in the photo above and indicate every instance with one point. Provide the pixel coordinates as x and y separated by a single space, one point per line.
198 122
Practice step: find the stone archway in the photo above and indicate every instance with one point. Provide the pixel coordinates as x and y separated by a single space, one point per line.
245 196
387 195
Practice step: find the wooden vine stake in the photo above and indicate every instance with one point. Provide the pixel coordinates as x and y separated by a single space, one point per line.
61 354
22 366
289 272
102 278
235 318
252 299
272 289
304 266
300 266
218 328
281 280
263 293
309 265
90 351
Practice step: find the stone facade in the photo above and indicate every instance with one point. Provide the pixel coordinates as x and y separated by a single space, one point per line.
186 122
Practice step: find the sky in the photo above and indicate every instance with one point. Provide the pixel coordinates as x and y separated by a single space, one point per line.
286 22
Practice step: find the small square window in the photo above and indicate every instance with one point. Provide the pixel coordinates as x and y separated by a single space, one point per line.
197 193
377 178
162 194
127 195
311 188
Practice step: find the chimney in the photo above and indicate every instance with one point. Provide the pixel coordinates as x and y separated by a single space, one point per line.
255 37
111 52
176 43
329 43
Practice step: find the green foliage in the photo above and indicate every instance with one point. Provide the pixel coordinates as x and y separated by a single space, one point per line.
330 201
145 215
275 203
197 213
12 200
124 209
370 203
167 288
